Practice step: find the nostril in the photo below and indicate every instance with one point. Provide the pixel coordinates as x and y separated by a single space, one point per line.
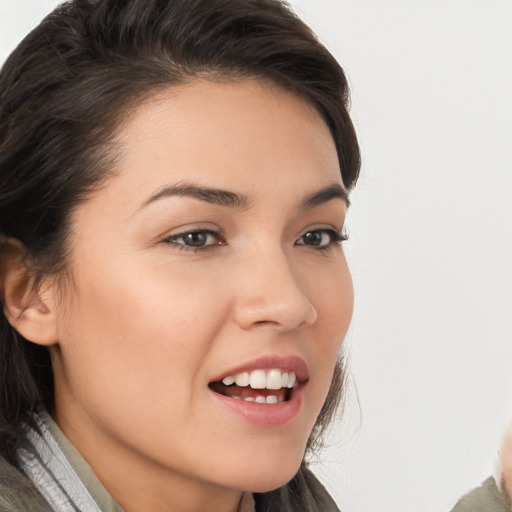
285 314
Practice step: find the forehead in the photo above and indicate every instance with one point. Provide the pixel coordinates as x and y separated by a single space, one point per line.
250 137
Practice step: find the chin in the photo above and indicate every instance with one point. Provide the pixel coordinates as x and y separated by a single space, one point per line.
268 474
271 483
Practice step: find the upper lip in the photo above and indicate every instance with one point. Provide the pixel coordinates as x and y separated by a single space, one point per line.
285 364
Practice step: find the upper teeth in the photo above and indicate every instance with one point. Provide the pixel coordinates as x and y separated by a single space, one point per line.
261 379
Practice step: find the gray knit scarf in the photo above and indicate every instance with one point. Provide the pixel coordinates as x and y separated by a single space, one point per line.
51 473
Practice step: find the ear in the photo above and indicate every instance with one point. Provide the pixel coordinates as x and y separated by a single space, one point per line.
29 309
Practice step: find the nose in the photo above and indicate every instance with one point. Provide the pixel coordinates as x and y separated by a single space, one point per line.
269 293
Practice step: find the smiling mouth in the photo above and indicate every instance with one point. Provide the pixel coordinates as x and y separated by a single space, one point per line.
259 386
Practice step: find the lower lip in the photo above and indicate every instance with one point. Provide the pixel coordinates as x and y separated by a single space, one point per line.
267 415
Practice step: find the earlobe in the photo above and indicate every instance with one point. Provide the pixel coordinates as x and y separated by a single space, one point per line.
29 309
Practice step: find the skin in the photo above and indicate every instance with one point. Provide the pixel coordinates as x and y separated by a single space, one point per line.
149 322
505 467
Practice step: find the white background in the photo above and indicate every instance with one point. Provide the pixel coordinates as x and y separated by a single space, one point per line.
431 244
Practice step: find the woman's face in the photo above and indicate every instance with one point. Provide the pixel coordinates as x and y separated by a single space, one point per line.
212 255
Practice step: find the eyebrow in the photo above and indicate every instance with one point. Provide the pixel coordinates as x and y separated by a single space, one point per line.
210 195
237 201
334 191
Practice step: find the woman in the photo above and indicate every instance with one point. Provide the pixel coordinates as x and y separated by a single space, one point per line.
174 178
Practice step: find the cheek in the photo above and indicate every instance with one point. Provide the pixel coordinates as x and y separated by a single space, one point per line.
332 293
334 301
143 334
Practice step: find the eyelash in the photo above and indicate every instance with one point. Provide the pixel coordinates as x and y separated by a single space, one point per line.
172 240
335 238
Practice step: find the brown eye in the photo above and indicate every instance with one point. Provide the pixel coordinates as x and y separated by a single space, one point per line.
316 238
194 239
320 238
197 239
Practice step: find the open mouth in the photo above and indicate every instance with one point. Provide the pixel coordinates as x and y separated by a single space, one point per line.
259 386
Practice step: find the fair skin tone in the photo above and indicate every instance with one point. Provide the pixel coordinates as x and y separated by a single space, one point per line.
155 316
505 465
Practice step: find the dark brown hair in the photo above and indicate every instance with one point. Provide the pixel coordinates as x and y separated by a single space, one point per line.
68 86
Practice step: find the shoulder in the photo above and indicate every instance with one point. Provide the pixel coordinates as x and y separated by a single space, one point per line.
486 498
17 493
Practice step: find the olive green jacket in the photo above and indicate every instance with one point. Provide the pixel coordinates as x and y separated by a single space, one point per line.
486 498
69 484
18 495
